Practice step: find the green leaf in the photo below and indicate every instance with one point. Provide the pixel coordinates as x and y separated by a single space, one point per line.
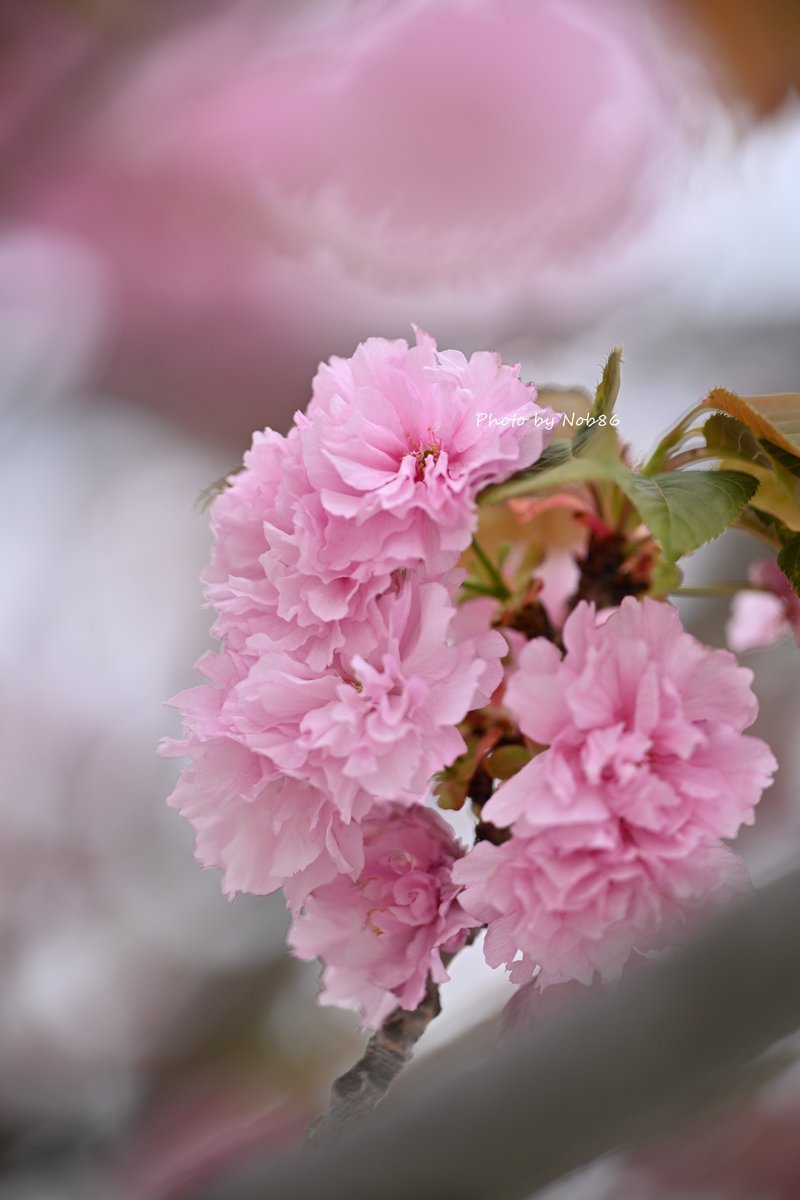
758 521
552 456
773 418
778 495
573 402
476 588
596 461
667 576
605 398
775 468
732 438
608 388
683 510
506 761
790 462
789 562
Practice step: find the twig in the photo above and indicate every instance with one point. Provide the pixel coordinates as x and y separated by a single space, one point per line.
356 1093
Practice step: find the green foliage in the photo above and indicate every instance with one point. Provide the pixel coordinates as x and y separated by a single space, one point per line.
774 418
685 509
605 398
506 761
733 439
561 464
789 562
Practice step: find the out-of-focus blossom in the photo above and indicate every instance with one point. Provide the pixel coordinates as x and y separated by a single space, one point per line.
381 934
107 929
763 617
266 182
618 822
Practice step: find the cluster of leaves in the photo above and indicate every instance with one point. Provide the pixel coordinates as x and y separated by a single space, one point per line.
749 448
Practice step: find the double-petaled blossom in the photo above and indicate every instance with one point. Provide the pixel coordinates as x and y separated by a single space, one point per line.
402 439
380 476
287 760
617 824
380 935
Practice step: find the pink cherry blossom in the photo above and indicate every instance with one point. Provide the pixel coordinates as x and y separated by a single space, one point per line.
380 477
265 578
643 722
264 830
288 759
763 617
379 722
381 934
647 767
402 439
579 900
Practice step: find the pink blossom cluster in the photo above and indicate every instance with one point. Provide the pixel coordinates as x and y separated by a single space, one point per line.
345 666
616 825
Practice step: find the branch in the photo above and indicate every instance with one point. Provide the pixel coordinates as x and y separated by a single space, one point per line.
610 1071
356 1093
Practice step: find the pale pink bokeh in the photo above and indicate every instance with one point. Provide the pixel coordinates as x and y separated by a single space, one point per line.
768 613
267 188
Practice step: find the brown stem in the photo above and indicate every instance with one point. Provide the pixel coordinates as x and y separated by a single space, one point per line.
356 1093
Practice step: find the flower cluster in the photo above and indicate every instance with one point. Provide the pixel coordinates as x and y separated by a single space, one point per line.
617 825
357 663
345 666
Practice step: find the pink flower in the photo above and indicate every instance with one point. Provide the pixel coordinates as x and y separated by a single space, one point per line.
380 477
288 759
266 580
761 618
580 900
380 935
378 723
620 819
264 830
401 441
643 723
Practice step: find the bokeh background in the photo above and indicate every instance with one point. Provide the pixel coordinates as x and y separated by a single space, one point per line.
199 201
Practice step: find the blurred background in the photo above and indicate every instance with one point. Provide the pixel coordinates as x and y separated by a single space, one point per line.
199 201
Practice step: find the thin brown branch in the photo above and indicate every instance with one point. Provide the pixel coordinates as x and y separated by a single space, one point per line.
356 1093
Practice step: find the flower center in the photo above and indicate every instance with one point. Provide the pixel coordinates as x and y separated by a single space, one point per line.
422 455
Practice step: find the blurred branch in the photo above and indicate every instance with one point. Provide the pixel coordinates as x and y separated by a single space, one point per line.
611 1070
355 1094
757 45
